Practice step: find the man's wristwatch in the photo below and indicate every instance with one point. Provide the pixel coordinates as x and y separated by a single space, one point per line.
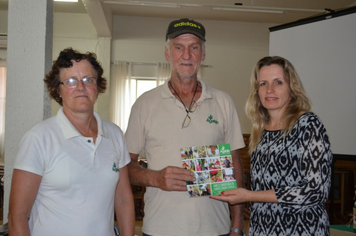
233 229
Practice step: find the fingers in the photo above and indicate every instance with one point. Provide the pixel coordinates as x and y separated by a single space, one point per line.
233 196
176 185
174 178
230 192
178 173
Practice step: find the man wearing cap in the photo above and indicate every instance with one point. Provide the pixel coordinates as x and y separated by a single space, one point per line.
184 112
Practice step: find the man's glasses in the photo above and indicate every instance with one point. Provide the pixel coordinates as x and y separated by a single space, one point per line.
73 83
187 118
193 105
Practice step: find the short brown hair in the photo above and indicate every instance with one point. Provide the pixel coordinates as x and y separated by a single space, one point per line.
64 60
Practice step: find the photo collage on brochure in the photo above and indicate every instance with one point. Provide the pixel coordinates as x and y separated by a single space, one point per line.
213 169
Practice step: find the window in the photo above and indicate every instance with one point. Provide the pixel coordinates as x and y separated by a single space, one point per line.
140 85
128 82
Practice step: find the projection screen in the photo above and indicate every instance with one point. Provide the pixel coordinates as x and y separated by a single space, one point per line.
323 51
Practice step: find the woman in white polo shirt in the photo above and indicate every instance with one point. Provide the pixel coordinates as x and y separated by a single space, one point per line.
70 175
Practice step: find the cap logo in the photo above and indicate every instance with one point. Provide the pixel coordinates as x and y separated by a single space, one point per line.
187 24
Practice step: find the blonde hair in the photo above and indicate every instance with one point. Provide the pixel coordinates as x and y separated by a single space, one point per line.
299 102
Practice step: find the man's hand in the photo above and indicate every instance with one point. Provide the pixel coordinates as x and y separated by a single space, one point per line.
173 178
170 178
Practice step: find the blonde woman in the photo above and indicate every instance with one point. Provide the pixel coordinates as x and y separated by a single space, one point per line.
290 156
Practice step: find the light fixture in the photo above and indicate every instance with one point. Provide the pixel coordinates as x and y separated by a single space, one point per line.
65 0
141 3
261 9
247 10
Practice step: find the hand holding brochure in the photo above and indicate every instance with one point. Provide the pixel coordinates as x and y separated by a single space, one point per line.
213 169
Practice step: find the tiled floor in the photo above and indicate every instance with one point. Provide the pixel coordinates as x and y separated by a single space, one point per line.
138 226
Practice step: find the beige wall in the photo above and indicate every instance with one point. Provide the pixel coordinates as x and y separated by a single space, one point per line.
232 50
72 30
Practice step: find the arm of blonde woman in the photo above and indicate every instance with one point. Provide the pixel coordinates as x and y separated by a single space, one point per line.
124 204
24 188
241 195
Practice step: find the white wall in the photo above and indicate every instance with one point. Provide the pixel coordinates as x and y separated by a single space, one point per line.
78 32
232 50
69 30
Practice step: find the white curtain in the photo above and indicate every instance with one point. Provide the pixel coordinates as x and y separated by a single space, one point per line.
121 95
163 72
121 98
2 105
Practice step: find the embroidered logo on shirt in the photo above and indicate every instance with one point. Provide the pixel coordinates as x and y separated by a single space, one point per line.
211 120
114 168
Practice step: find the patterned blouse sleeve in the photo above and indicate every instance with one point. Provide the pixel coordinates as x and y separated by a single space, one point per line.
314 165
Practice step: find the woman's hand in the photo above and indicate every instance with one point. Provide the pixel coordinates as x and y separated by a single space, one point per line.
235 196
241 195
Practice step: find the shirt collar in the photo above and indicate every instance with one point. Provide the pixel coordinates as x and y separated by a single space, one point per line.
70 131
206 91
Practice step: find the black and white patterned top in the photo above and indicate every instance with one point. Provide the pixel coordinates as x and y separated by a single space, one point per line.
298 168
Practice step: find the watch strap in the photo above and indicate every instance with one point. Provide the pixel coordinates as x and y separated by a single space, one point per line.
233 229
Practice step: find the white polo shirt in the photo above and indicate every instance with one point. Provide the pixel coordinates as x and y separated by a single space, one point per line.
79 178
156 126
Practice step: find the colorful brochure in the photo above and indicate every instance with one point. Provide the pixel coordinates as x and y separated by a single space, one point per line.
213 169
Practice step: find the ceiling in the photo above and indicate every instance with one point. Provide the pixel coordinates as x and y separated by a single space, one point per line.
205 12
101 11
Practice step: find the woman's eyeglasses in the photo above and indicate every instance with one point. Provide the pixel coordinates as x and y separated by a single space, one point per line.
73 83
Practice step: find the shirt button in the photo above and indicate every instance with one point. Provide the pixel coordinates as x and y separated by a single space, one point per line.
89 141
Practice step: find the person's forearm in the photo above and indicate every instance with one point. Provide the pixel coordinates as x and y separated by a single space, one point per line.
236 211
124 204
170 178
126 217
24 189
18 226
141 176
263 196
237 216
